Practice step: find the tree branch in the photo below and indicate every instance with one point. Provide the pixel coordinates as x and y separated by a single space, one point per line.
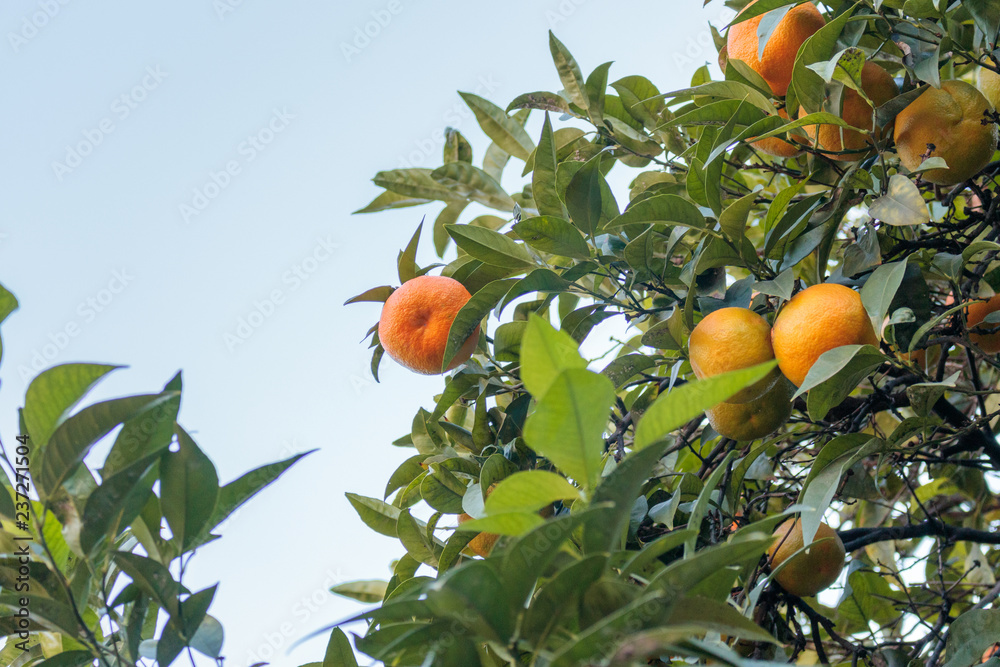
857 538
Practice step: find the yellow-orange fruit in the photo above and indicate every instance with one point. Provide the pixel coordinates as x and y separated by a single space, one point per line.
880 88
988 83
415 322
778 147
813 570
947 122
757 418
483 543
729 339
816 320
993 650
775 66
975 314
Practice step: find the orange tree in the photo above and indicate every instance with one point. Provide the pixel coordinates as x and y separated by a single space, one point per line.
619 524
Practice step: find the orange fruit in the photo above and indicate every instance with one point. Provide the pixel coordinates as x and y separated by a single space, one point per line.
992 650
778 147
816 320
880 88
757 418
483 543
729 339
775 66
947 122
813 570
416 319
975 314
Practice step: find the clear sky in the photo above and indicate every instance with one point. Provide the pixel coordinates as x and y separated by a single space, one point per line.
178 179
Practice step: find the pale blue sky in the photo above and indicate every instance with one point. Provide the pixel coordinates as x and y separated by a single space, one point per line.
123 248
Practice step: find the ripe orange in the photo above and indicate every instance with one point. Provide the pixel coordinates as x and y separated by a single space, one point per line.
729 339
813 570
778 147
975 314
483 543
416 319
880 88
988 83
947 122
818 319
992 650
756 419
779 54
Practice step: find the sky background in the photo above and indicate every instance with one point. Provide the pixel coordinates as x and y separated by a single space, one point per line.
170 169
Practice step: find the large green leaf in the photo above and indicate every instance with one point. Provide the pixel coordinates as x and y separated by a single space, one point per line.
74 437
543 175
505 131
568 423
415 183
338 651
545 353
528 491
377 515
836 374
189 490
147 432
569 72
152 577
473 183
117 501
662 209
675 408
490 247
553 235
970 634
584 196
54 392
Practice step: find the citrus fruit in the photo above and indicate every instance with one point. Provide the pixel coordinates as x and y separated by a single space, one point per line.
992 650
729 339
775 66
757 418
988 83
415 322
778 147
880 88
482 544
812 570
947 122
975 314
818 319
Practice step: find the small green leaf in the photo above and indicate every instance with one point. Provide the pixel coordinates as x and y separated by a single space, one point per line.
543 175
390 200
338 651
474 184
189 488
530 490
835 375
584 196
369 591
506 132
377 515
569 72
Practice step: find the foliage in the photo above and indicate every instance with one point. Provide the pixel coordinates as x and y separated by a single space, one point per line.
92 560
650 547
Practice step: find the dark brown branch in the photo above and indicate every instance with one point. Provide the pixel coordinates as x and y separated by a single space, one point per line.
857 538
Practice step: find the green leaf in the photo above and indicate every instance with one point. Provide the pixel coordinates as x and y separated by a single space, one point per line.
662 209
700 507
406 262
508 523
719 617
902 205
54 392
674 409
442 490
569 72
543 101
338 651
529 491
553 235
506 132
390 200
490 247
147 432
970 635
74 437
117 501
880 289
51 614
471 314
539 280
474 184
414 183
619 489
207 639
807 86
377 515
584 196
8 304
596 88
733 220
626 367
867 597
410 532
375 294
456 147
68 659
835 375
476 597
152 577
369 591
543 176
824 478
232 496
781 286
545 353
568 423
189 489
